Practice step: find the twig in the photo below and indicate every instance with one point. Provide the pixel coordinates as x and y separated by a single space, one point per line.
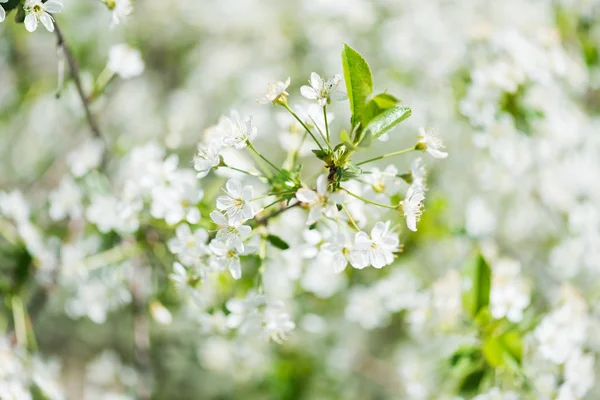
266 218
74 73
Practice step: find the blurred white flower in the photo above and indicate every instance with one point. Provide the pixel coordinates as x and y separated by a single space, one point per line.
37 11
479 218
121 9
366 307
323 91
86 157
65 200
206 159
277 323
125 61
187 245
509 294
580 375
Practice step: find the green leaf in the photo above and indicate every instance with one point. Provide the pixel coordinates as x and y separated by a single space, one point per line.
359 82
278 242
321 154
478 275
506 349
377 105
386 121
10 4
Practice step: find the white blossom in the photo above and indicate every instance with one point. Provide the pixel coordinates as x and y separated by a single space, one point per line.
277 323
238 132
37 11
376 249
276 92
88 156
225 257
125 61
509 294
121 9
323 91
232 235
236 204
339 248
66 200
431 143
206 159
187 245
412 206
2 12
320 201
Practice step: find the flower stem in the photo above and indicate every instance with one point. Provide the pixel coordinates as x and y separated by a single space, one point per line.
242 171
369 201
251 146
352 222
19 319
326 123
303 125
297 151
396 153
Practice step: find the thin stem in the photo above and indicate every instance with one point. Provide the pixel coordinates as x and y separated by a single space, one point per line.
74 72
295 155
326 123
265 219
251 146
271 194
352 222
369 201
396 153
260 162
242 171
303 125
321 133
19 320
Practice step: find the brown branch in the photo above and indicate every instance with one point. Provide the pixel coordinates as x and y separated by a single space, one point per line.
74 73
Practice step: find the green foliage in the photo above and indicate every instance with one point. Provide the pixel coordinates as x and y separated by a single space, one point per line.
385 121
505 349
10 4
371 117
278 242
359 82
377 105
477 296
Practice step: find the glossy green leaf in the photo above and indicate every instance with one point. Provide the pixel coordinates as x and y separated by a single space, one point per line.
359 82
386 121
278 242
477 276
377 105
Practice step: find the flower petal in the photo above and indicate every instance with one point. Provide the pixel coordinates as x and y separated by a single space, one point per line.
46 20
308 92
316 82
53 6
31 22
218 218
307 196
